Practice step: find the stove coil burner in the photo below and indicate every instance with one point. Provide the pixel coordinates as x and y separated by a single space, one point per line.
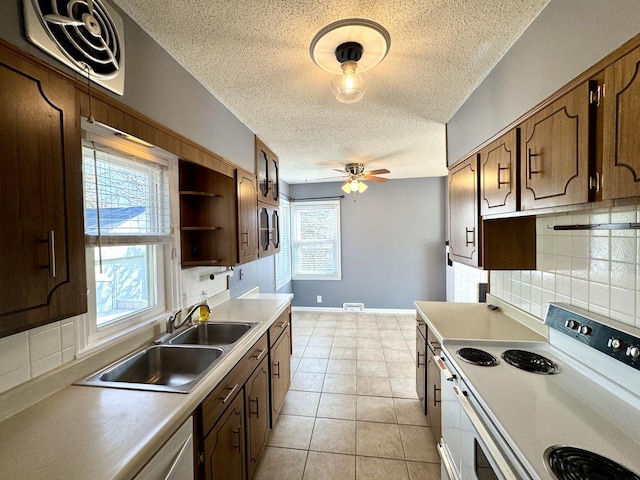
572 463
477 357
530 362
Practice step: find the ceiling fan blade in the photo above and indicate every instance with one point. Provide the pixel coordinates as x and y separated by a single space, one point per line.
369 178
341 170
61 20
380 171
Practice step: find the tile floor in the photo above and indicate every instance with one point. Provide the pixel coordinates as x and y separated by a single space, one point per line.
352 411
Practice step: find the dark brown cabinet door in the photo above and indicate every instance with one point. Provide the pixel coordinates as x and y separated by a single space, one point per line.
420 367
498 175
621 128
280 372
555 153
257 411
433 394
247 219
224 446
269 230
464 235
41 230
268 174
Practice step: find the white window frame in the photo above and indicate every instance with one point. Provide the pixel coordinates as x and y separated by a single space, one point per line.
296 274
88 335
283 257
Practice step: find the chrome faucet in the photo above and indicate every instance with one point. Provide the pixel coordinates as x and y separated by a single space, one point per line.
171 321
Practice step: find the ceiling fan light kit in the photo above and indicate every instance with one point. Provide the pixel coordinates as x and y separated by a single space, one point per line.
348 49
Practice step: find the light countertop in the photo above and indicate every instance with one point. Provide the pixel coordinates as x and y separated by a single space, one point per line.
83 432
476 321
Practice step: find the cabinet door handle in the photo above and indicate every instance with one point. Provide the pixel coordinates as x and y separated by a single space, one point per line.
500 182
259 354
277 374
51 240
282 324
237 432
245 238
257 402
530 156
228 396
471 231
420 364
435 389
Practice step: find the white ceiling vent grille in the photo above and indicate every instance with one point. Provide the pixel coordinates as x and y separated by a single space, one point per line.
86 35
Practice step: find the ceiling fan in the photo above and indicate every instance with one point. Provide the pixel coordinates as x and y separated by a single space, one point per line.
356 174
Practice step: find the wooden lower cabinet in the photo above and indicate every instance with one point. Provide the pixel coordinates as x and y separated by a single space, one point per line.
224 446
421 377
257 414
433 386
280 371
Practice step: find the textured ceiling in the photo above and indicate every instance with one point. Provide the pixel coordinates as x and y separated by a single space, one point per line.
254 57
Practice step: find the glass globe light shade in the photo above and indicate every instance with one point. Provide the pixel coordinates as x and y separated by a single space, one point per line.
351 85
362 187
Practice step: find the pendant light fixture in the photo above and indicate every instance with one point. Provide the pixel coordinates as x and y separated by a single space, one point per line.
348 49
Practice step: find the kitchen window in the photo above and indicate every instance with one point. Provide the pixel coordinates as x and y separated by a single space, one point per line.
316 240
127 234
283 258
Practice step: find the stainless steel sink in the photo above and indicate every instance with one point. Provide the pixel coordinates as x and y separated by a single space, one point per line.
212 333
159 368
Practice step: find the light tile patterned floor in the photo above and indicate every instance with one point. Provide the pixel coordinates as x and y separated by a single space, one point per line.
352 412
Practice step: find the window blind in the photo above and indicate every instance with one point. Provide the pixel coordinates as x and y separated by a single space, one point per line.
283 258
126 198
316 240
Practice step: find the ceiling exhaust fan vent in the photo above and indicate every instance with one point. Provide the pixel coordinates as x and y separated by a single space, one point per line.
85 35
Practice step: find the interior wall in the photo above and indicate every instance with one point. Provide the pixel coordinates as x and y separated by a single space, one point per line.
392 245
159 87
567 38
598 271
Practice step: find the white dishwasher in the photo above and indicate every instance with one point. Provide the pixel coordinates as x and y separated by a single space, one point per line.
174 460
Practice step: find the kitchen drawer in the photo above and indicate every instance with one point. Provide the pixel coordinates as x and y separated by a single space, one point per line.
421 326
219 399
278 327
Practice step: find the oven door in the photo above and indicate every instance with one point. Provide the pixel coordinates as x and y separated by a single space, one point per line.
484 454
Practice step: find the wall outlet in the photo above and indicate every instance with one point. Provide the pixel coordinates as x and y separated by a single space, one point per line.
319 299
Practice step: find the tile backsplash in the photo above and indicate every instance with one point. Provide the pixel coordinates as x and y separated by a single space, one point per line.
28 354
597 270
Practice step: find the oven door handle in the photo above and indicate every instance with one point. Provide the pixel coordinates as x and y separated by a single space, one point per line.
445 461
482 432
443 368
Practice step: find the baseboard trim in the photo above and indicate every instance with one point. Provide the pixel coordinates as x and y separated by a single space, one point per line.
387 311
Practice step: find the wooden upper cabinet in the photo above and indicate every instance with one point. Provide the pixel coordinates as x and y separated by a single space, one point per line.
464 234
621 128
208 217
268 173
499 175
247 218
43 260
555 153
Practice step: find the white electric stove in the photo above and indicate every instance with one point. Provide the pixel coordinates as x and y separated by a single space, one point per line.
572 413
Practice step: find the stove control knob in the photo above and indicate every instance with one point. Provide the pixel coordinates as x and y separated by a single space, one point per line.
572 324
586 330
616 343
633 352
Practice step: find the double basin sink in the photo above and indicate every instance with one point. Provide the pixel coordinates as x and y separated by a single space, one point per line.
175 365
